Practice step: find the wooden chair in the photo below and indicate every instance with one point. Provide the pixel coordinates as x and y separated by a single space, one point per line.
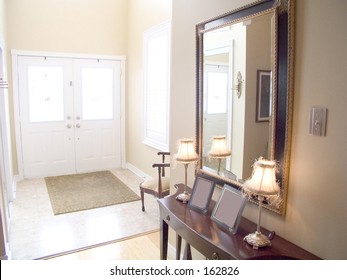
159 186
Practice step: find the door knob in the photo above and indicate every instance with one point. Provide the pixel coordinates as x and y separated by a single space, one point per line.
78 125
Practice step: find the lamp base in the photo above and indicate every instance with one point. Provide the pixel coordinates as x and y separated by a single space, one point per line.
257 239
183 197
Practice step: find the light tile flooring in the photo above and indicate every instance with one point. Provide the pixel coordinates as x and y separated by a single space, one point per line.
36 233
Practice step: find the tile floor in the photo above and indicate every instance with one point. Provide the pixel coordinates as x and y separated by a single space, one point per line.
36 233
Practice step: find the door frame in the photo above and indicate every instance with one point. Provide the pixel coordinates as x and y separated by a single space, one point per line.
16 53
6 180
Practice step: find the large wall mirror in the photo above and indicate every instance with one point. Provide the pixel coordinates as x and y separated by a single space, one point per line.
244 92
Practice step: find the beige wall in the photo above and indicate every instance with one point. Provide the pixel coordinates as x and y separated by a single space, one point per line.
89 26
157 12
317 209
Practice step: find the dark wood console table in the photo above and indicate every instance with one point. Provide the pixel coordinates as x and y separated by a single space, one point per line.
200 232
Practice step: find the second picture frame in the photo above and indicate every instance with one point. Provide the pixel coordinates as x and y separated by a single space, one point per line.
228 210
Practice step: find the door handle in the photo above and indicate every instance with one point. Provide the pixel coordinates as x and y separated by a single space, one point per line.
68 126
78 125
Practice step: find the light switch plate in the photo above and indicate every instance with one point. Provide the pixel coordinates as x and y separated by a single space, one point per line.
318 121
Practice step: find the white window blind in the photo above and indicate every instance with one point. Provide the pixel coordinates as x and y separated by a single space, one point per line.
157 86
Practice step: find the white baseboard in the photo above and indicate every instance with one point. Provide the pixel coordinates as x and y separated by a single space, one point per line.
137 171
16 179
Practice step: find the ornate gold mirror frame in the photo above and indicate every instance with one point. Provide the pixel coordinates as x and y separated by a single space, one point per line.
281 86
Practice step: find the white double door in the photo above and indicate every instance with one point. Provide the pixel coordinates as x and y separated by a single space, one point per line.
69 115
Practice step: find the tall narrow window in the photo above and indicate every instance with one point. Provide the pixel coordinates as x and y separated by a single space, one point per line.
157 86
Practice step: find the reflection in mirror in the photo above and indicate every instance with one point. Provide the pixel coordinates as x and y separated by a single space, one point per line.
244 91
230 53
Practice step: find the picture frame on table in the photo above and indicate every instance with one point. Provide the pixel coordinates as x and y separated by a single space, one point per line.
201 194
228 210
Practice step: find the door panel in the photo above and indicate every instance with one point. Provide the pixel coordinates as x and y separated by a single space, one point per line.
97 87
46 101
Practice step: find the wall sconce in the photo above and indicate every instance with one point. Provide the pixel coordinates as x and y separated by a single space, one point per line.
238 86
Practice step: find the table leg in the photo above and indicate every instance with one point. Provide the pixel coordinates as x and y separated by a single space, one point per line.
164 232
187 252
178 246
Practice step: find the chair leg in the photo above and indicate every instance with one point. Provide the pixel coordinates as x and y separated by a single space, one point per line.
143 200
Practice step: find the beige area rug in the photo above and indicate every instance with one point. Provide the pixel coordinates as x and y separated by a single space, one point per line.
72 193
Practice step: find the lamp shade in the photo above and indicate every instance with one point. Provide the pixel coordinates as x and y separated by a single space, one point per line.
219 148
186 151
263 179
